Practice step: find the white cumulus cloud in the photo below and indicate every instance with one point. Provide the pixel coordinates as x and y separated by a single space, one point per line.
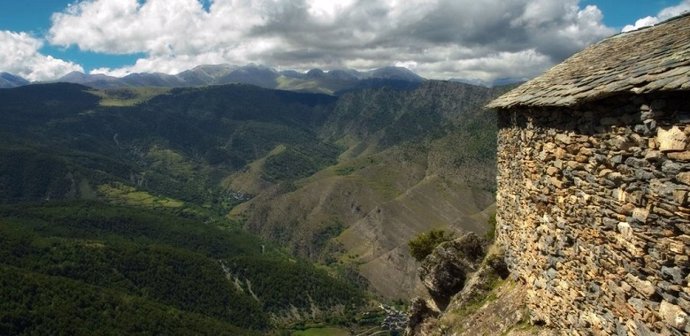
19 55
440 38
664 14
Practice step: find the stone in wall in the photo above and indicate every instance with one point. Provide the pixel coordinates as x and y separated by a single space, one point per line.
593 213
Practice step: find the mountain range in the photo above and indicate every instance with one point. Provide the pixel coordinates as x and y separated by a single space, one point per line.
315 80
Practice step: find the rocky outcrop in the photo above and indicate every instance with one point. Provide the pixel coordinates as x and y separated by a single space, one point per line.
445 270
421 316
472 308
444 273
593 213
478 286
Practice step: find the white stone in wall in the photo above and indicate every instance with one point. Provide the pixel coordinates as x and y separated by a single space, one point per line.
624 229
673 139
673 315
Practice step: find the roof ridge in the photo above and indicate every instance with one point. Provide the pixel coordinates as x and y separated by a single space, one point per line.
635 62
673 18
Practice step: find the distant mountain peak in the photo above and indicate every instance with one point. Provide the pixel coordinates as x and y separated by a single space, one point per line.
74 76
397 73
99 80
212 68
8 80
315 73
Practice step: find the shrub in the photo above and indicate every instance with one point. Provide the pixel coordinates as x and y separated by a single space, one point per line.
425 243
491 233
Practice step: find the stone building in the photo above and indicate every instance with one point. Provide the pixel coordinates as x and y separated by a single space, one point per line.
593 182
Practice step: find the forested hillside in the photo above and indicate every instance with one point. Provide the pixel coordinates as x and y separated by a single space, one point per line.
132 203
86 267
113 215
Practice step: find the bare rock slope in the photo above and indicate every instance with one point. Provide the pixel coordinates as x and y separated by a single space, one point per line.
413 160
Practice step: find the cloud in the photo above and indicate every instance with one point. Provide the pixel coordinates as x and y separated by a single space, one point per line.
19 55
530 61
664 14
441 38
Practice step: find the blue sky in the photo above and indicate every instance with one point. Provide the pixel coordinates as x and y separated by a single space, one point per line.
618 13
43 39
34 17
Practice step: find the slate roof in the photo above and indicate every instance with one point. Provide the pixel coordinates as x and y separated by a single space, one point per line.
652 59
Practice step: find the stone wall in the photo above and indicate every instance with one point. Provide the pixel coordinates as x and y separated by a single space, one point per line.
593 213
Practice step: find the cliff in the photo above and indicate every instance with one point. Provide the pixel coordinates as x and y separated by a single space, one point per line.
471 293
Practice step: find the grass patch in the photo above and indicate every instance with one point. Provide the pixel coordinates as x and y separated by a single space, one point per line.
122 194
523 325
291 84
491 233
475 304
127 97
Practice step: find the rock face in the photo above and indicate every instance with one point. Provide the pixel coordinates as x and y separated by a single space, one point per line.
478 286
445 270
593 213
420 315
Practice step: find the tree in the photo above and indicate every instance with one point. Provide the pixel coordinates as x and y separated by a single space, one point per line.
425 243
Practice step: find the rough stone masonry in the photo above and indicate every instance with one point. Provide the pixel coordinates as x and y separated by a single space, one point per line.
593 181
595 213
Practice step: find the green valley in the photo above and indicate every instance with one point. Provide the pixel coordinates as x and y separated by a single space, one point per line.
229 209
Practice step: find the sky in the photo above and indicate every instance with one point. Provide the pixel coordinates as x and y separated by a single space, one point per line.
442 39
